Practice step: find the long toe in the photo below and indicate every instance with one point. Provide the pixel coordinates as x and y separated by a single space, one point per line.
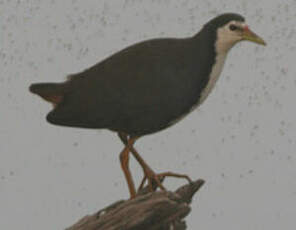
154 181
176 175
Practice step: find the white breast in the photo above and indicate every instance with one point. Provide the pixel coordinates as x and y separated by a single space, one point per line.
225 40
214 75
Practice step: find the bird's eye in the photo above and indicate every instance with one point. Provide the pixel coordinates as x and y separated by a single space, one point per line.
233 27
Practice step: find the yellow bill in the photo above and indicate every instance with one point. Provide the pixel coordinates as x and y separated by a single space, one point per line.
251 36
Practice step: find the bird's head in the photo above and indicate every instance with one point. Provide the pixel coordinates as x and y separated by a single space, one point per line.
229 29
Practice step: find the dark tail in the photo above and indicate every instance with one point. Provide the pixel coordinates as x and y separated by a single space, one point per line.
52 92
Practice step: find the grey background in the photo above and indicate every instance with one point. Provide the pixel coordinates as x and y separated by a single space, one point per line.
241 140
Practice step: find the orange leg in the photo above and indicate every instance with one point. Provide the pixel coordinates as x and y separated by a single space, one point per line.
124 160
148 172
153 177
154 180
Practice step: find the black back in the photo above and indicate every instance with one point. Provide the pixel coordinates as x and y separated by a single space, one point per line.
143 88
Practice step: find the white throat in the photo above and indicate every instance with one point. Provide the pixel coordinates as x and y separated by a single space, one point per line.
225 41
215 73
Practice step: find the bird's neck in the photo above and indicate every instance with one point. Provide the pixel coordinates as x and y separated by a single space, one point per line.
214 55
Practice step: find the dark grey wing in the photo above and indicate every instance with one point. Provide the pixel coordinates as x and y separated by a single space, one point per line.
144 86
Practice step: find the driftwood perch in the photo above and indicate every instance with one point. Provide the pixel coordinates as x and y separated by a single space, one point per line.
148 211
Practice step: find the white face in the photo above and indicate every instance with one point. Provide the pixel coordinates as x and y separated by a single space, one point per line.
229 35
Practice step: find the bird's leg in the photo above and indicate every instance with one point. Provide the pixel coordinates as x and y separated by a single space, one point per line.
123 137
154 180
148 172
124 160
143 183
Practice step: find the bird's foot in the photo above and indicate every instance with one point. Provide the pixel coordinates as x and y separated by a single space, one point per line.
177 175
155 180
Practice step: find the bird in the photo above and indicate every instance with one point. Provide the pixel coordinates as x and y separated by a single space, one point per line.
146 87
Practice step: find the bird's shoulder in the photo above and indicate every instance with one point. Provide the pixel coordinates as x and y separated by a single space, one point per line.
137 57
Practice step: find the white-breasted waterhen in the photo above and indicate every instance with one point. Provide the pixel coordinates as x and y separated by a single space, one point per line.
146 87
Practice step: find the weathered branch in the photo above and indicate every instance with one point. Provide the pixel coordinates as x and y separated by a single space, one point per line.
152 211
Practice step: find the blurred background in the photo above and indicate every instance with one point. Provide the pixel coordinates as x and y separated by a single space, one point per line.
242 140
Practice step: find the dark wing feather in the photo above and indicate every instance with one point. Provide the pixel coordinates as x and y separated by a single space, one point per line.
139 88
